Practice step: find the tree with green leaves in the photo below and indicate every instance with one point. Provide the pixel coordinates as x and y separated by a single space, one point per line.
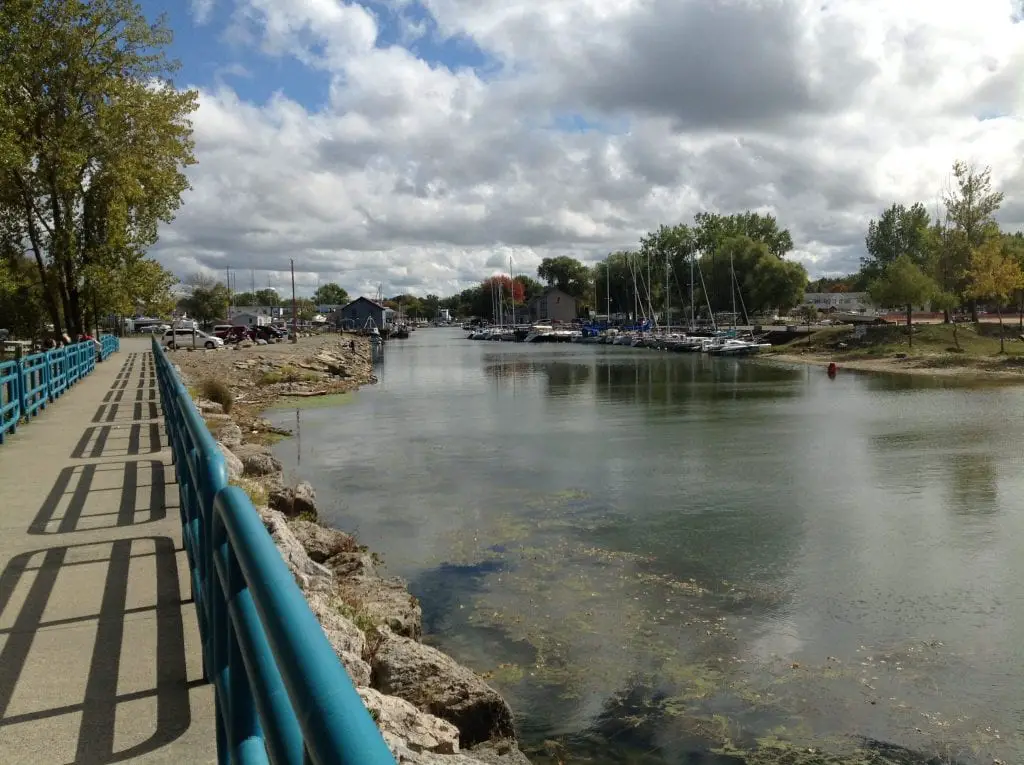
268 297
973 203
330 294
711 230
141 287
567 274
900 230
432 306
22 308
1013 247
994 276
208 302
903 283
94 140
409 304
748 270
776 283
971 206
243 299
305 309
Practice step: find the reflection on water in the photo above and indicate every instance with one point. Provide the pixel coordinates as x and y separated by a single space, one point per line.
660 555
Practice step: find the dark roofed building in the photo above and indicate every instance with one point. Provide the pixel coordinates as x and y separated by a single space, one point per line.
553 305
356 314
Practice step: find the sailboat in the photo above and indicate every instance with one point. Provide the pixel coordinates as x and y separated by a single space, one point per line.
735 346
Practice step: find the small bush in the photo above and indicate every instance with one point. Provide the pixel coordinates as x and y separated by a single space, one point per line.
218 392
287 374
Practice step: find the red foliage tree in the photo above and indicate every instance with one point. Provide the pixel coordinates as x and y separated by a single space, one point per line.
508 287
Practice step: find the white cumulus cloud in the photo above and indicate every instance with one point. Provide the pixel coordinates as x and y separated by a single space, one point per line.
426 178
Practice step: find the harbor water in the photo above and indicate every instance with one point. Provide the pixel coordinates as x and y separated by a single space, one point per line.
671 558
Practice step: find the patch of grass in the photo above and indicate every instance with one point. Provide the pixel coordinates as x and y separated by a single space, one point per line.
287 374
256 491
889 340
266 438
351 611
218 392
307 516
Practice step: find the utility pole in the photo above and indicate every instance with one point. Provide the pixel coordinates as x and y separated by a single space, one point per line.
295 313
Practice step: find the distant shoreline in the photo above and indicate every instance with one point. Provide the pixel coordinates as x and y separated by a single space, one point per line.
944 366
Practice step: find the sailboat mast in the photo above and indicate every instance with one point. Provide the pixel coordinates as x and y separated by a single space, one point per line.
512 287
668 291
608 290
732 290
693 321
650 308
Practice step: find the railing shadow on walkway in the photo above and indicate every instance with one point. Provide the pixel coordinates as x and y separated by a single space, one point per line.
119 441
81 499
121 411
44 599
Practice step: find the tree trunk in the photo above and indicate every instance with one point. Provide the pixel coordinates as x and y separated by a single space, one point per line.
1002 341
1020 310
974 310
956 337
910 325
47 287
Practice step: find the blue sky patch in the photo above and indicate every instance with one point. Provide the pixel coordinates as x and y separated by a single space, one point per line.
210 58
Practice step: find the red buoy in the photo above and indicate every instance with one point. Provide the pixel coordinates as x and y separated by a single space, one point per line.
832 369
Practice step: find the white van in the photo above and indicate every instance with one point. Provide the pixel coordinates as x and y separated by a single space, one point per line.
188 338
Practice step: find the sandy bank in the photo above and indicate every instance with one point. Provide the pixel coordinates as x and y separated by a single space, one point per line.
938 365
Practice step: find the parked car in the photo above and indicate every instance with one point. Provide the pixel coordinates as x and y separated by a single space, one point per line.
187 338
233 334
265 333
153 329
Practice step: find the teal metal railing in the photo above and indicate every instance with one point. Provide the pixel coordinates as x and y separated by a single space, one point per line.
109 344
28 384
34 384
10 397
57 359
281 693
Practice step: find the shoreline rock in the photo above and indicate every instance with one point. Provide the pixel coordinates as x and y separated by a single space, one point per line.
429 708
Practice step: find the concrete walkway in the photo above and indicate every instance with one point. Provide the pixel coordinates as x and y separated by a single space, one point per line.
100 659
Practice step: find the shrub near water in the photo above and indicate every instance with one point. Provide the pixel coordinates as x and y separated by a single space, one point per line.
218 392
287 374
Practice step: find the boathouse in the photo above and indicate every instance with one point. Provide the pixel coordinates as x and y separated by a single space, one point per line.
553 305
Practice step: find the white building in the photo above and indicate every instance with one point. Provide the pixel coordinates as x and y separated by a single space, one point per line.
839 301
267 311
242 318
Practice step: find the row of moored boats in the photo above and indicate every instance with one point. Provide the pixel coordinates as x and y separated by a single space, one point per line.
715 343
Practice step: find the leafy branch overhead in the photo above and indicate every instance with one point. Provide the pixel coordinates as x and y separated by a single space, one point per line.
94 141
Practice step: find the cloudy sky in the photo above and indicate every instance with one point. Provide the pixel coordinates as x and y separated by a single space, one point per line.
422 143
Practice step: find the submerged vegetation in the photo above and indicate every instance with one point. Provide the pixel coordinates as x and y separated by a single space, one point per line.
582 617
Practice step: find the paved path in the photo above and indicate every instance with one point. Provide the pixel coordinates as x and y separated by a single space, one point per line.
99 647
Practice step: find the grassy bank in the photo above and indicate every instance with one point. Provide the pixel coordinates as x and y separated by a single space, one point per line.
937 349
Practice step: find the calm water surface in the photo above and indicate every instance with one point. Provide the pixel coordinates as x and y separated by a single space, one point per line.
660 556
